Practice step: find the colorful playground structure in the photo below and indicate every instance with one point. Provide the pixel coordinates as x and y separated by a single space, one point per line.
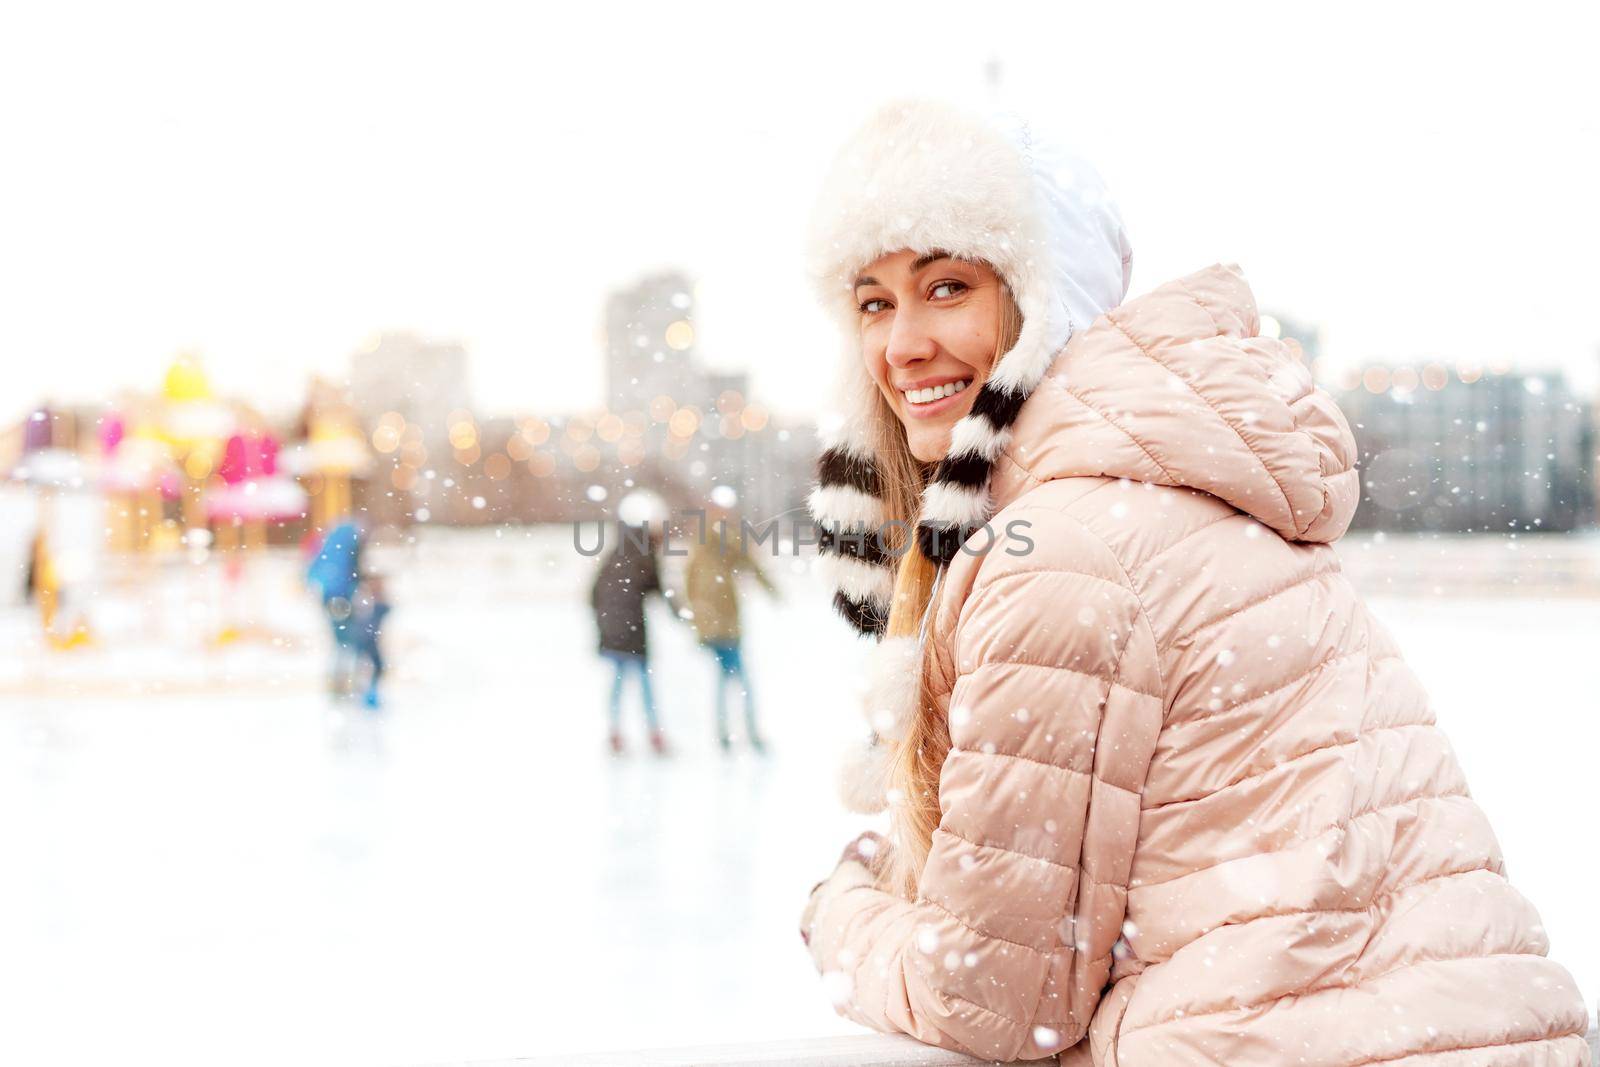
184 475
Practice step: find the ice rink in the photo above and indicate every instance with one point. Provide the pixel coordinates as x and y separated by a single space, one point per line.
212 862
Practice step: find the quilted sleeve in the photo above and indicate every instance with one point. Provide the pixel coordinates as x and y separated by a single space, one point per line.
1053 714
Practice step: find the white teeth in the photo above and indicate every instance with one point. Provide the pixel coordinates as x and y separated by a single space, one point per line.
933 392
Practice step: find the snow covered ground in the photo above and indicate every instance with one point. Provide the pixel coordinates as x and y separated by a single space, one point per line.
226 867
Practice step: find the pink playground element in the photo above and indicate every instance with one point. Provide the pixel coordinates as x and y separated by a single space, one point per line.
252 489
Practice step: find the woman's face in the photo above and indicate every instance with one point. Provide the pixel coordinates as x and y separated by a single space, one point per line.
929 326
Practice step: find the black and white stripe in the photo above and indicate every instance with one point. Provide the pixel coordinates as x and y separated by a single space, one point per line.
955 503
847 508
847 502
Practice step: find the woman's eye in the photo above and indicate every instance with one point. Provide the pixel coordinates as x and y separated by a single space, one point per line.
872 307
952 287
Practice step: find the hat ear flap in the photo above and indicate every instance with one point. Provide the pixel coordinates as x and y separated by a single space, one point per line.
847 506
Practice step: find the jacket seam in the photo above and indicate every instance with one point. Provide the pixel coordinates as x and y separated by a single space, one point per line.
1010 851
1046 956
1004 1017
1114 424
1019 662
1127 582
1320 572
1468 1048
1343 825
1321 664
1032 572
1377 898
1047 765
1303 994
1083 840
982 933
986 1010
982 582
1287 760
1144 613
1034 481
1233 513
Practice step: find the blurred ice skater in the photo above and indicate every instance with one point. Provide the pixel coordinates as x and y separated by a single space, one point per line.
711 588
335 570
365 630
628 575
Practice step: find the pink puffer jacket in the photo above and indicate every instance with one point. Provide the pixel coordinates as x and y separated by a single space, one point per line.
1187 761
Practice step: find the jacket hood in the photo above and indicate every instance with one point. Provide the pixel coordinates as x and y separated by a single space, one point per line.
925 176
1176 387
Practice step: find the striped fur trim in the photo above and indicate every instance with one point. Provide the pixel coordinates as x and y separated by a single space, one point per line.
838 506
955 502
860 580
847 507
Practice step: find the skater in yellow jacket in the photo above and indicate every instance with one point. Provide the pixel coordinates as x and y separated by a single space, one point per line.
716 561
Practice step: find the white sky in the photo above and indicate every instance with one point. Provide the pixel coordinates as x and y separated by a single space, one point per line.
270 185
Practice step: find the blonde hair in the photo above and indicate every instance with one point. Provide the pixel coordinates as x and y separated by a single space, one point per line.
919 755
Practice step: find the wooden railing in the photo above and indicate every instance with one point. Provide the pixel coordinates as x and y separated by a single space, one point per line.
865 1050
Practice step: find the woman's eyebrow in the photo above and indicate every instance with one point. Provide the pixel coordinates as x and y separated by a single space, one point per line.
916 265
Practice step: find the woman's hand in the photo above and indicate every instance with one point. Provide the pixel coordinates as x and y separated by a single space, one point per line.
870 850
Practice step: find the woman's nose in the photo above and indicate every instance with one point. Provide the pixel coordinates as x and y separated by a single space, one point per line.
909 341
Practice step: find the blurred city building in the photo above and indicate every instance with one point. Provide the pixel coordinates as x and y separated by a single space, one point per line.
668 423
1464 449
422 381
701 422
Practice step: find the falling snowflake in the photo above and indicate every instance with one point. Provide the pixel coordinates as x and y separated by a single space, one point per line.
837 986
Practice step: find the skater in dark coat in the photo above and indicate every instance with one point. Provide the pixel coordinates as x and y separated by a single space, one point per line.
628 575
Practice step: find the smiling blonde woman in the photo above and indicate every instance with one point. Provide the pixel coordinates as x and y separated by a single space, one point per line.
1163 792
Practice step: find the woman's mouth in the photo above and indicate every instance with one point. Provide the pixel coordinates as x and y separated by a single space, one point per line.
934 399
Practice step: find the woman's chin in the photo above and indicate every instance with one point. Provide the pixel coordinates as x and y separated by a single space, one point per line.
929 444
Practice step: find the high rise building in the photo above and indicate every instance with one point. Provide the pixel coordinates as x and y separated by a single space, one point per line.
699 426
650 343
